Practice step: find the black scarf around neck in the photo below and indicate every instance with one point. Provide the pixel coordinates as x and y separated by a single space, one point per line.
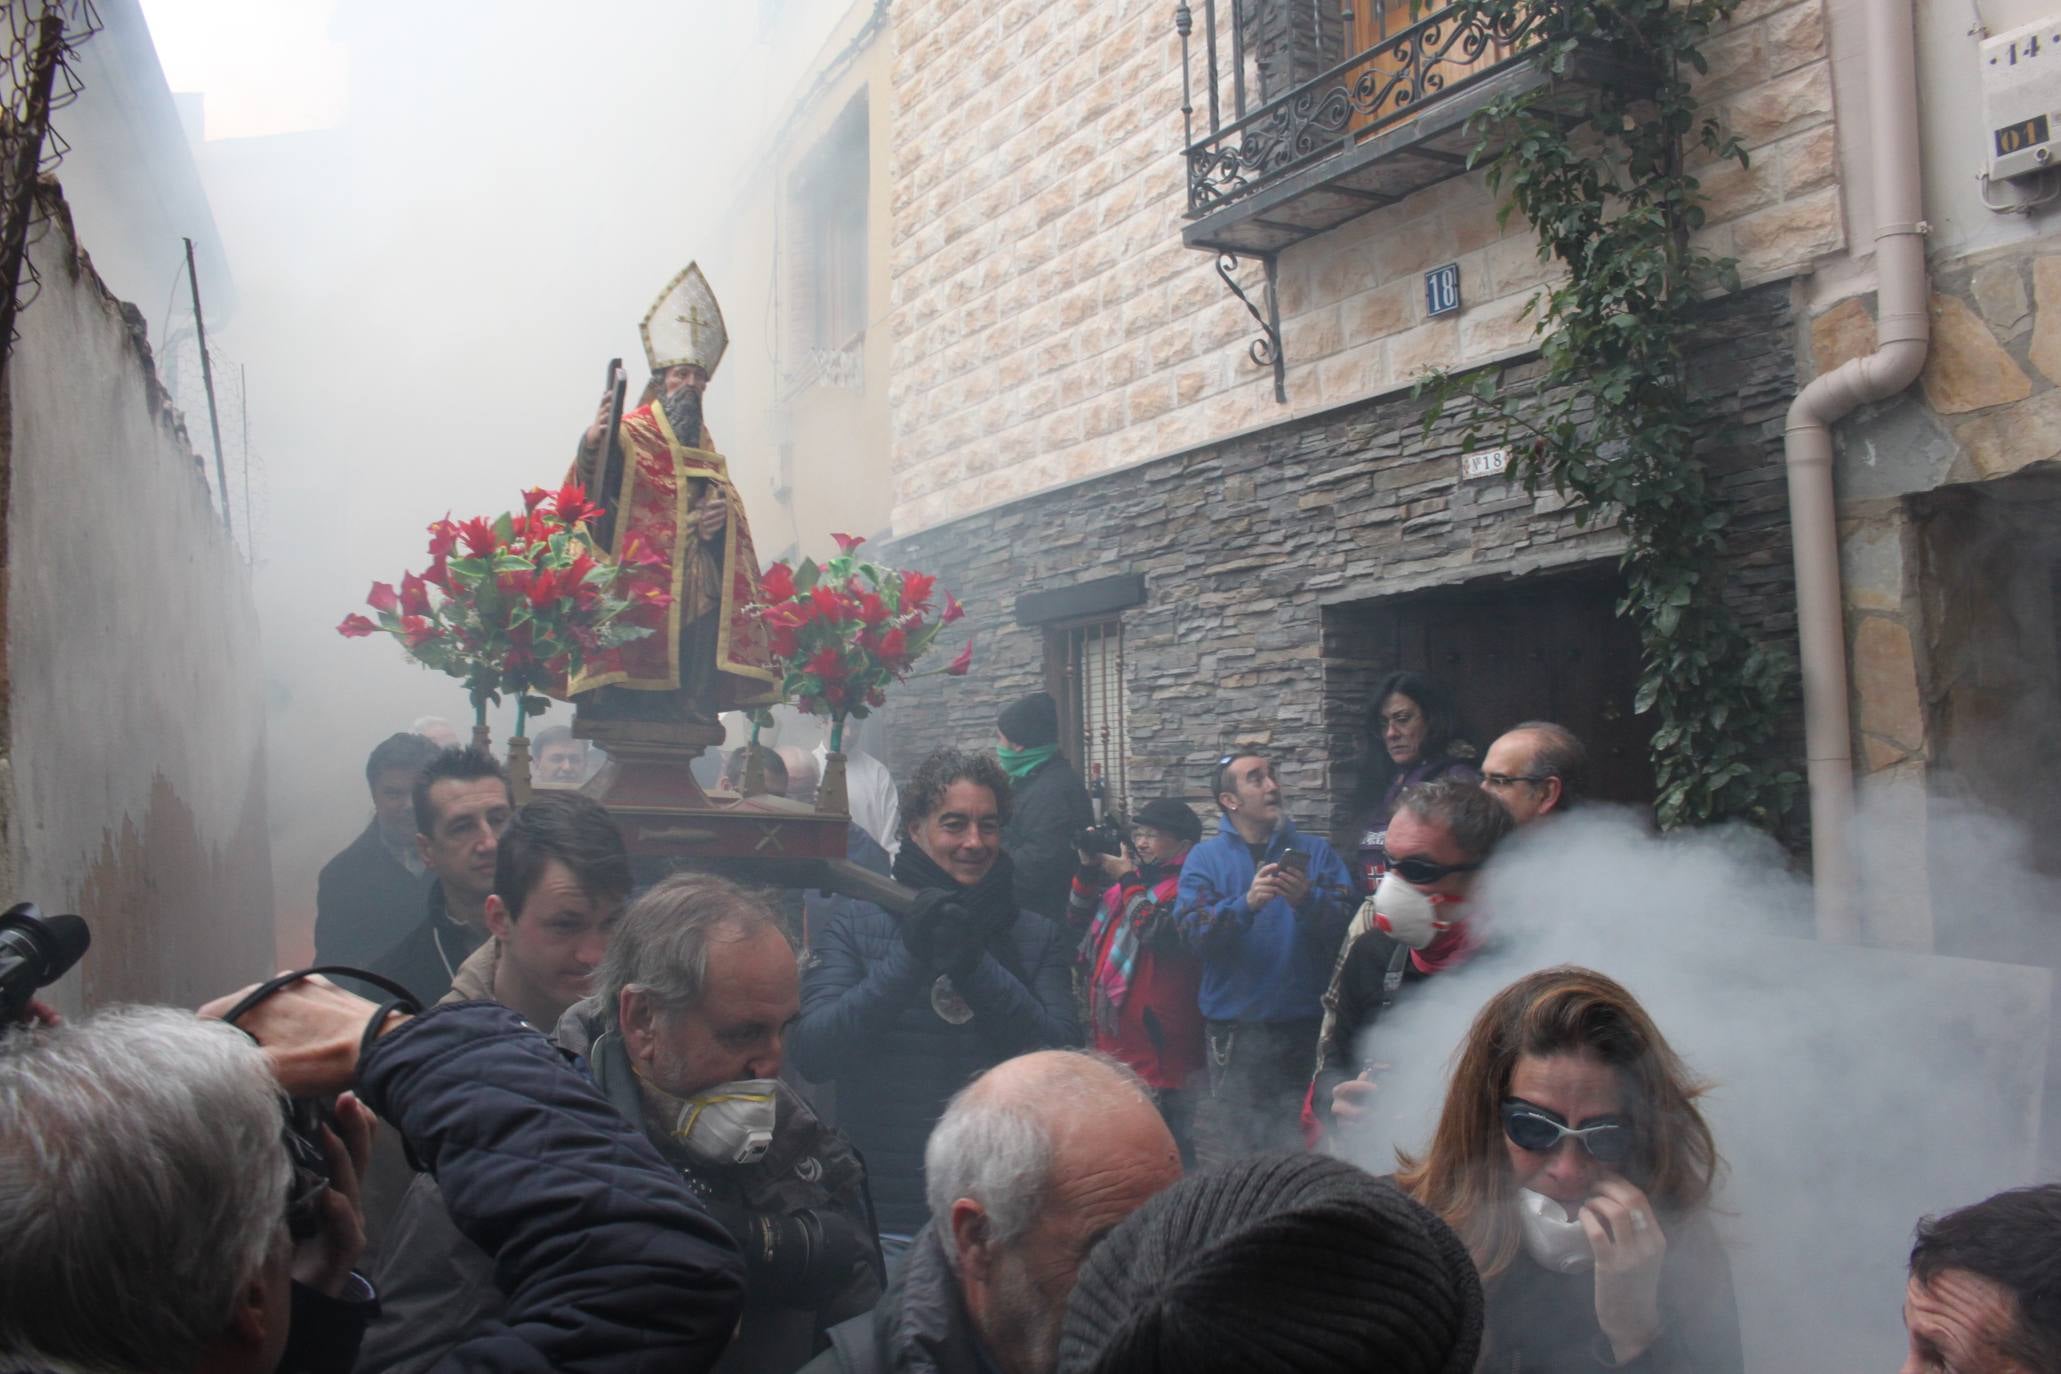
991 901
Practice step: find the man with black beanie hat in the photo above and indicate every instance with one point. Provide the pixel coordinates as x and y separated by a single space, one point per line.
1048 806
1295 1263
1140 979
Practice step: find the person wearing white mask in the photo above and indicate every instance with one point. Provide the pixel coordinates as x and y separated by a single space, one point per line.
1572 1160
685 1037
1416 925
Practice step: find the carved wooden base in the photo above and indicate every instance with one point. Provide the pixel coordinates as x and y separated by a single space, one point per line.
648 786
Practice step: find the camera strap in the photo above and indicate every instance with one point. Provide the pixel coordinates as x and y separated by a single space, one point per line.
402 1001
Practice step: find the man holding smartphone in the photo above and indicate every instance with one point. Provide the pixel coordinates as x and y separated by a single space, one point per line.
1264 906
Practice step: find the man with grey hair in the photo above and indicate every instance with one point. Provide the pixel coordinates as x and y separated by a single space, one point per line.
1028 1167
684 1038
1536 770
146 1193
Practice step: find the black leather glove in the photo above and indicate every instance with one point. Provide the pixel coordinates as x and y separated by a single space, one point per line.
943 934
931 911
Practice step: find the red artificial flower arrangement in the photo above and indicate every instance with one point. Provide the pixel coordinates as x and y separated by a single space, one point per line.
842 631
516 604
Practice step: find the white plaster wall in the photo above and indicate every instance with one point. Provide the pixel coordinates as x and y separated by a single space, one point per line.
132 663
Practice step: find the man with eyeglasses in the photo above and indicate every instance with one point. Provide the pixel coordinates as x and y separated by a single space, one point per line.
1535 770
1414 927
1262 904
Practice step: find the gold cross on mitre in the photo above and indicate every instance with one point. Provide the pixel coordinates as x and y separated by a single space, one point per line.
694 319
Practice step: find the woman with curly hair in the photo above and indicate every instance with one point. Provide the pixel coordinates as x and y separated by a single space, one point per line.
1572 1160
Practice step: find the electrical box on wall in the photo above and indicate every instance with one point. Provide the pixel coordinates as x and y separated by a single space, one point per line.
2021 99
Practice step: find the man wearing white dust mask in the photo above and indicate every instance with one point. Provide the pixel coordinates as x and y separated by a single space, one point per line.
1571 1158
1415 926
685 1037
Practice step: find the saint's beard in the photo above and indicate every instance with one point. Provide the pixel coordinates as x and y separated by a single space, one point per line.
683 413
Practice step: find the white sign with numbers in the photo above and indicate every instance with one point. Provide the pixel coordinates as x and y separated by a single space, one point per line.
1489 462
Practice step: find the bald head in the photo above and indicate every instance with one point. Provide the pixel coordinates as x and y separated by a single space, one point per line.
1031 1164
1536 769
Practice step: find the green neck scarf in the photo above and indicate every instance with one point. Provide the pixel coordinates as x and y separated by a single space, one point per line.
1021 763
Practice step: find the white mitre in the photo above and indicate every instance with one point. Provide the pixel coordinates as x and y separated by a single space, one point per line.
684 326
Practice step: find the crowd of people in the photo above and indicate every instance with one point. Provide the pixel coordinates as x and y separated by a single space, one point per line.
1081 1108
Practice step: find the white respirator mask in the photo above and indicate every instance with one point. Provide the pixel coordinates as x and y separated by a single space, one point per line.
729 1124
1409 914
1552 1237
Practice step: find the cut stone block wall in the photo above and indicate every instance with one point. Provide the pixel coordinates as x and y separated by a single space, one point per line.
1049 325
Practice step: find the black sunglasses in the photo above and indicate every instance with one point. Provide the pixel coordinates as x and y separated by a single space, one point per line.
1609 1141
1422 871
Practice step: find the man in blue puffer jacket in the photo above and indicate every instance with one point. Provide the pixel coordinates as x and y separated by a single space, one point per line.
1265 907
901 1013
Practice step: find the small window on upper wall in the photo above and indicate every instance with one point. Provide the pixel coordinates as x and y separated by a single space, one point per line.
828 276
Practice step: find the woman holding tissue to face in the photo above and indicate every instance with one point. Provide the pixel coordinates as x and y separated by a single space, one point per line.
1572 1160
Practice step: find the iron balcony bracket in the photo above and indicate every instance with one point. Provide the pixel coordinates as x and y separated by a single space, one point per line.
1266 349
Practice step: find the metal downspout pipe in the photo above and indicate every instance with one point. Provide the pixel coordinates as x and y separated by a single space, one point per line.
1902 329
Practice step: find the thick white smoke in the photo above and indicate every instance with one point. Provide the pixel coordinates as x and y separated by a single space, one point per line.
1854 1089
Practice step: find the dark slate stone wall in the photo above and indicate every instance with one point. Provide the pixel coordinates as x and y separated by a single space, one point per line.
1245 544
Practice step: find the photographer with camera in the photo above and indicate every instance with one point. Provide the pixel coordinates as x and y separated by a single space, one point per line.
1142 982
151 1204
900 1012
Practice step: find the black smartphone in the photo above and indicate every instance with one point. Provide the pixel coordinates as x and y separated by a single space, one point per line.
1295 859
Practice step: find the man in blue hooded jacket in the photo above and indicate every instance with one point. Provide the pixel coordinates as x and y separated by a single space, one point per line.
1265 907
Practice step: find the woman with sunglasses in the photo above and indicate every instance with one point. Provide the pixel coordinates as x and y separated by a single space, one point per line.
1572 1160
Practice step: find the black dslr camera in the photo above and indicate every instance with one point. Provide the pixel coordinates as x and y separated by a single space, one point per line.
1111 837
308 1118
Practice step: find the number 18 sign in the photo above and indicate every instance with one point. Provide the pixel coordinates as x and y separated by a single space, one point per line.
1442 289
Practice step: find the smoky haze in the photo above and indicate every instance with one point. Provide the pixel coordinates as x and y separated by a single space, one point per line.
1852 1089
429 292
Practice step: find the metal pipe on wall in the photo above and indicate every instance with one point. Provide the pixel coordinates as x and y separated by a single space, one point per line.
1902 333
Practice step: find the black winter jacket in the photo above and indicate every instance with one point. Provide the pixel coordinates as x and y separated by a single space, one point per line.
1046 810
920 1327
366 903
607 1263
427 958
873 1021
435 1288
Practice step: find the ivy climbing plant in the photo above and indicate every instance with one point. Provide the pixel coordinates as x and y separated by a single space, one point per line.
1614 423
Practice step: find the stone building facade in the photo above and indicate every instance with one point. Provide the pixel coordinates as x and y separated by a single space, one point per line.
1252 567
1069 384
1050 324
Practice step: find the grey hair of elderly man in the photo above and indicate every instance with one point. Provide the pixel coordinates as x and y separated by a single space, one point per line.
143 1191
1030 1165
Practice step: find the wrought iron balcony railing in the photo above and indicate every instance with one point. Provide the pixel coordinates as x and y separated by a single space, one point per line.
1391 82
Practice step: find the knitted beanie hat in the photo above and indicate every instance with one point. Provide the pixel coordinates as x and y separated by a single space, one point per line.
1282 1262
1030 721
1176 818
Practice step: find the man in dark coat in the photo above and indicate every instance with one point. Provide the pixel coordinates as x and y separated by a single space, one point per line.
609 1264
1048 806
462 801
899 1013
371 896
683 1040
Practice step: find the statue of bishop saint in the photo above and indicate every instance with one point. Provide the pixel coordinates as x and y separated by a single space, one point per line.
670 492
